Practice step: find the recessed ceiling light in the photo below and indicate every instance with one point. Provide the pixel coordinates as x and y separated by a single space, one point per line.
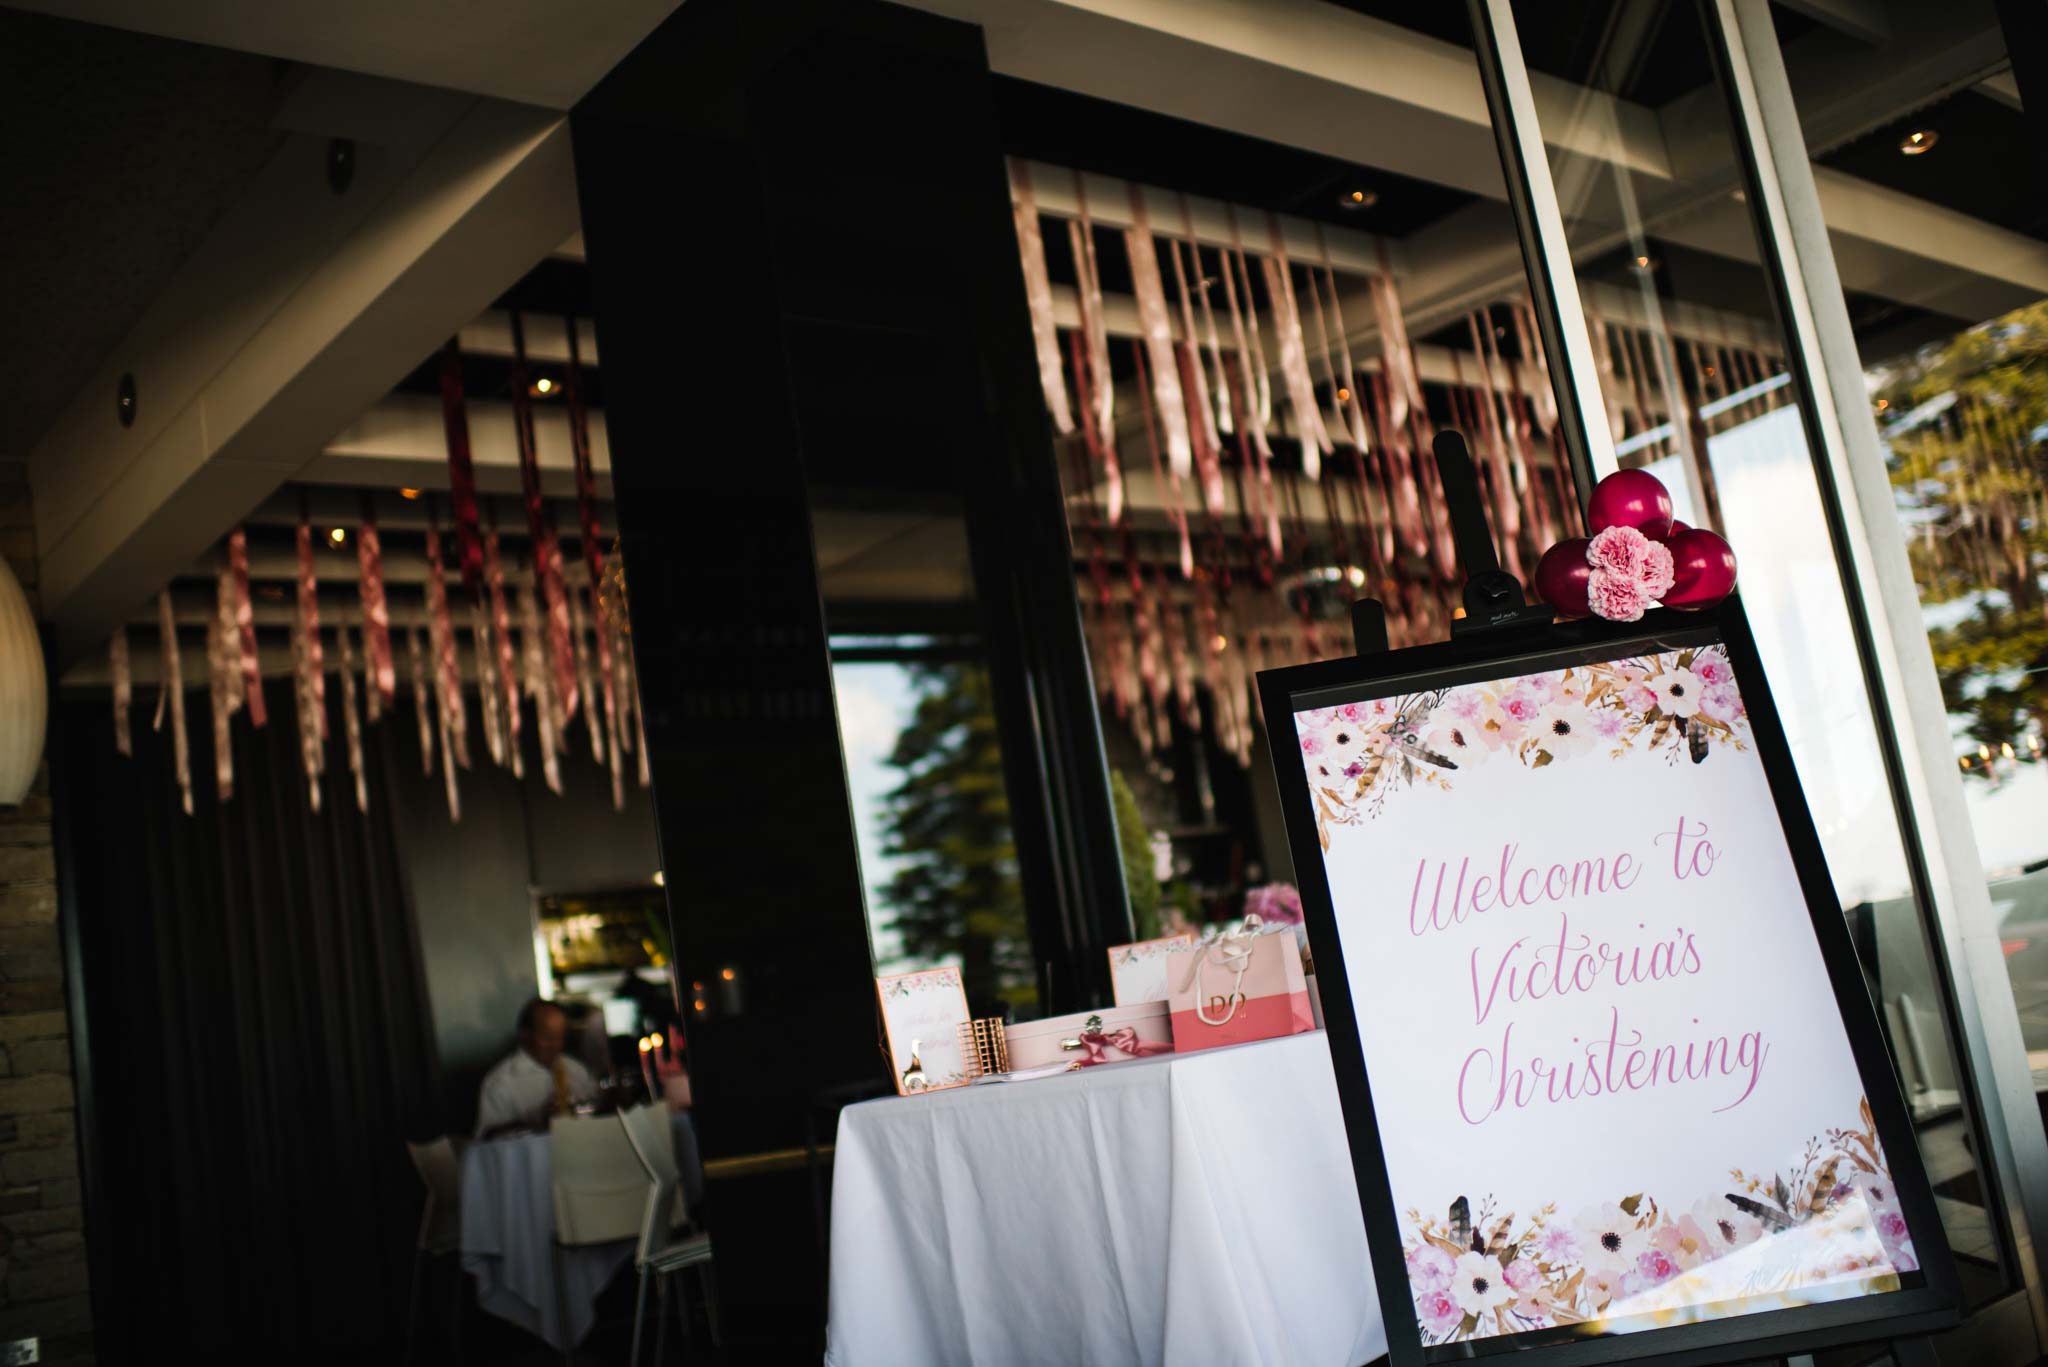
337 536
1883 404
408 493
1358 199
1343 394
543 388
1642 264
1918 141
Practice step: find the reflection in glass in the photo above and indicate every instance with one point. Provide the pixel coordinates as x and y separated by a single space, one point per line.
938 864
1692 366
1248 348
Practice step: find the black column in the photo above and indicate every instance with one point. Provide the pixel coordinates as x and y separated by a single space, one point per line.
799 242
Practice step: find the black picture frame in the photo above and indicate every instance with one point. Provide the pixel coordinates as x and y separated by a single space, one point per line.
1929 1303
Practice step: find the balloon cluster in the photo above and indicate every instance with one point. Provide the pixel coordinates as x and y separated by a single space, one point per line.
1637 557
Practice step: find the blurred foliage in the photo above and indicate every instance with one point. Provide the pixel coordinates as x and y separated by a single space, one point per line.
956 890
1965 420
1134 839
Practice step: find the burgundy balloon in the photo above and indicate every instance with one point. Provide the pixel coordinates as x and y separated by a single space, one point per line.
1631 498
1561 577
1704 569
1676 528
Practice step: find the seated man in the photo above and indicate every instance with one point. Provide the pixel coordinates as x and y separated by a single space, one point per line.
536 1080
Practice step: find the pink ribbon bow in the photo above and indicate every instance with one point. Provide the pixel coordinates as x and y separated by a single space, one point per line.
1124 1041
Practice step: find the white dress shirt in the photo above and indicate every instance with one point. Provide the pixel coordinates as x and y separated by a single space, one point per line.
518 1090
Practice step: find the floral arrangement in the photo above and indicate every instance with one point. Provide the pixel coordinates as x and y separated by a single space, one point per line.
1675 703
1638 556
1275 904
1475 1275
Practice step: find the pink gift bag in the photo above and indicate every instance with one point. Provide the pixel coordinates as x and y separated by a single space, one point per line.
1238 988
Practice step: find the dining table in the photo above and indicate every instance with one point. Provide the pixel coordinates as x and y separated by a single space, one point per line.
1180 1209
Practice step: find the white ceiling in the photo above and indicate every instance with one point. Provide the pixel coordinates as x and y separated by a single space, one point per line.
541 52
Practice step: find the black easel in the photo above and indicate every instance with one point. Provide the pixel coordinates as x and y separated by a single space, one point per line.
1494 602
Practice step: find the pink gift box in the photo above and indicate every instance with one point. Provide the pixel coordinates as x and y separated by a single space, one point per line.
1111 1035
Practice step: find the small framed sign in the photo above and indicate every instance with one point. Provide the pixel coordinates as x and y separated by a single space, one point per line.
922 1014
1614 1086
1137 972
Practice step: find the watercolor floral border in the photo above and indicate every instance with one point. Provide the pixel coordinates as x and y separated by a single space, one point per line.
1481 1274
1681 703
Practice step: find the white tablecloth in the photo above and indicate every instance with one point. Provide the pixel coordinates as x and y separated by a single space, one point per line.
508 1228
1187 1210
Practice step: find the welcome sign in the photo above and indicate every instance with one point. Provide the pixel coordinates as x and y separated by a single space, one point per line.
1616 1071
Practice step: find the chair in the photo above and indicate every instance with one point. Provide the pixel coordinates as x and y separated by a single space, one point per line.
440 1232
597 1187
660 1253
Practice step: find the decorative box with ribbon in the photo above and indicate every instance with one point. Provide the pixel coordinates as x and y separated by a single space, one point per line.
1235 988
1085 1038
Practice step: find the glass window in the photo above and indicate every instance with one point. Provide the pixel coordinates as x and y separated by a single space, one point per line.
924 769
1248 344
1692 367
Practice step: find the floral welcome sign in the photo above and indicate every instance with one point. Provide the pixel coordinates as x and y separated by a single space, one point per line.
1611 1082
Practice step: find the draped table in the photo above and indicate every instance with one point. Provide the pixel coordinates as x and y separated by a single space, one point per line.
1186 1209
508 1233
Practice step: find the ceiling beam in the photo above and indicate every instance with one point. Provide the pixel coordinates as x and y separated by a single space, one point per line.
298 314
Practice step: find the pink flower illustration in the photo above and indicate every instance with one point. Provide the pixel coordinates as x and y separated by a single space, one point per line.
1616 597
1712 669
1311 744
1465 704
1619 550
1655 1266
1352 712
1638 698
1522 705
1558 1244
1523 1275
1721 702
1429 1267
1607 725
1437 1313
1891 1227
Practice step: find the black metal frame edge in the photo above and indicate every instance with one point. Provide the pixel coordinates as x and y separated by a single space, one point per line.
1931 1306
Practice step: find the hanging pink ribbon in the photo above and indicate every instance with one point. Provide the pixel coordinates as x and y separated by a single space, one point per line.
351 727
1167 483
448 704
1100 407
615 724
461 475
232 682
124 688
540 523
490 704
311 711
1400 390
245 622
593 538
1158 330
422 709
173 696
219 669
1255 397
1038 297
538 687
380 672
1195 385
312 668
503 674
586 682
1301 394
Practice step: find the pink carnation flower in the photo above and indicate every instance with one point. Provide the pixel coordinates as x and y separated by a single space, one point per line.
1429 1268
1712 669
1620 550
1659 573
1352 712
1656 1266
1615 597
1722 702
1437 1312
1523 1275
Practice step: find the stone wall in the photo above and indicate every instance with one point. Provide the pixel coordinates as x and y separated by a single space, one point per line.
43 1284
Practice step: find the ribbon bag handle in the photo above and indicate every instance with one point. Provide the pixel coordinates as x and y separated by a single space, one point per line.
1232 952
